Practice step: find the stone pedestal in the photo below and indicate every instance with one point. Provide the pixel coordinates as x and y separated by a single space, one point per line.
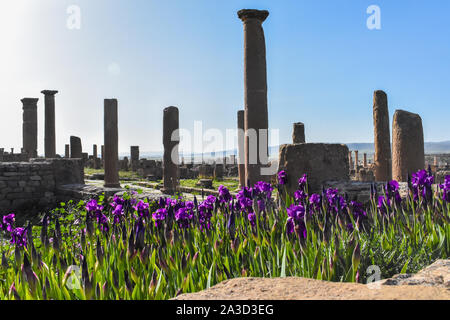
75 148
111 136
408 149
241 152
30 130
298 133
171 140
320 161
50 136
255 94
382 158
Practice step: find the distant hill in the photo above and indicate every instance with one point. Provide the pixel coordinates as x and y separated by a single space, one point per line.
430 147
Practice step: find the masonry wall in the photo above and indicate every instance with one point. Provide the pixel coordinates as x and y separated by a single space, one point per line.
31 187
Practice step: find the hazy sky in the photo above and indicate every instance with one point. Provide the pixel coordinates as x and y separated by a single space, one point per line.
323 65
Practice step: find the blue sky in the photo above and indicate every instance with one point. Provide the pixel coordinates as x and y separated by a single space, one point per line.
323 65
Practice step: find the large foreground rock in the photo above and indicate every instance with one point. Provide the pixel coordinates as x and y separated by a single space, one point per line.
432 283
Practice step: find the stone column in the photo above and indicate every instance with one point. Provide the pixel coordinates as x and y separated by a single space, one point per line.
255 94
408 149
356 160
170 142
12 150
50 137
111 136
134 155
350 160
435 161
76 148
241 153
382 158
94 151
365 160
30 130
67 151
298 133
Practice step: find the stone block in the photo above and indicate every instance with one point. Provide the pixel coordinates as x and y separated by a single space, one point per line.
320 161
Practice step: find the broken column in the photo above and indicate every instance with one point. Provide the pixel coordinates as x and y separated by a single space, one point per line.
171 139
356 161
111 136
382 158
75 148
67 151
50 136
298 133
365 160
96 160
134 155
241 153
29 129
255 94
408 150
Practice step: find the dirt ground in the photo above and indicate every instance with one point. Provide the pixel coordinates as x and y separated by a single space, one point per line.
293 288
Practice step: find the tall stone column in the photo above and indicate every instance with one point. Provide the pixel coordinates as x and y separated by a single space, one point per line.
94 151
255 94
350 160
241 153
170 141
67 151
408 148
134 155
365 160
76 148
382 158
50 136
298 133
29 129
356 161
111 136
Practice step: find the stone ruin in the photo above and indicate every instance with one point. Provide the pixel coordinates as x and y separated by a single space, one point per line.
325 164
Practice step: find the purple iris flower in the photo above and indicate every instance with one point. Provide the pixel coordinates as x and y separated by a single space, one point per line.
159 216
252 218
302 182
8 222
335 202
315 201
204 215
261 205
358 210
224 194
446 189
282 177
350 227
184 216
19 237
300 195
290 225
382 203
421 183
103 222
211 199
265 188
142 208
118 213
92 205
296 212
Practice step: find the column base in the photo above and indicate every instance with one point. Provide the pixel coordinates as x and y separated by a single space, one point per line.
112 185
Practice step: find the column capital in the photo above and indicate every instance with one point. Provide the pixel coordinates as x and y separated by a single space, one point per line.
49 92
29 101
245 14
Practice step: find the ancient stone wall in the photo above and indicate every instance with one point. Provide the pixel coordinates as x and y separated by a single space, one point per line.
30 187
